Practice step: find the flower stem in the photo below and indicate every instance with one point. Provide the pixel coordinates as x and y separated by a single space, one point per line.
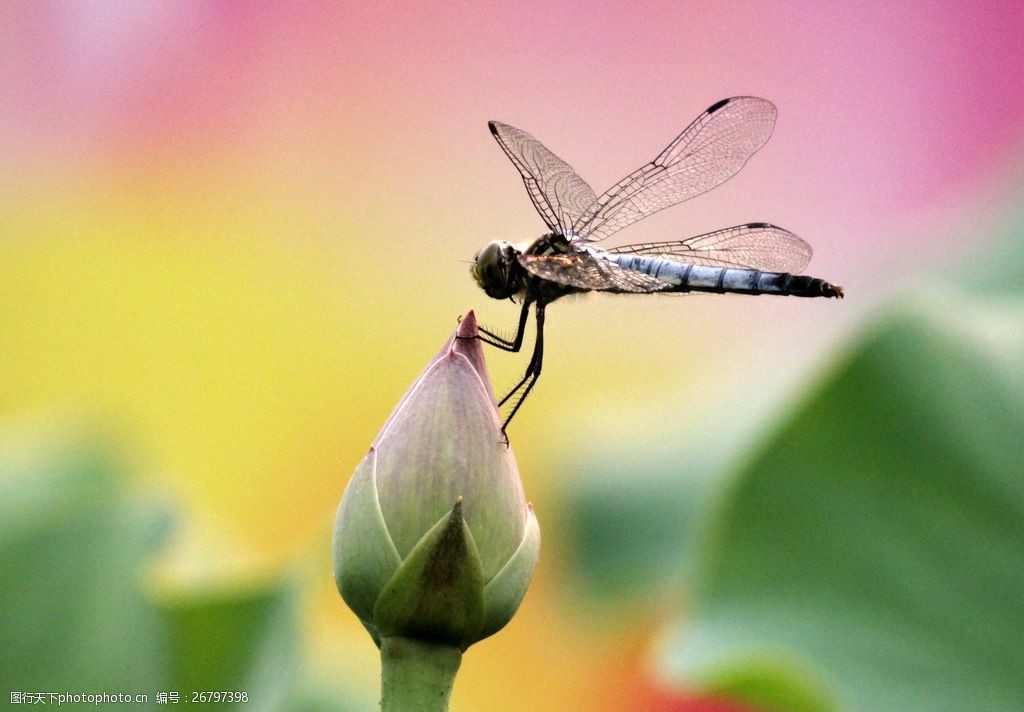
417 676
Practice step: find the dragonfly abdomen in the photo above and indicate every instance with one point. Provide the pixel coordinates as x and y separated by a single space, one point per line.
686 277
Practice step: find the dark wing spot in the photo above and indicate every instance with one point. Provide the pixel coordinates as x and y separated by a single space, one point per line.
758 226
494 129
717 105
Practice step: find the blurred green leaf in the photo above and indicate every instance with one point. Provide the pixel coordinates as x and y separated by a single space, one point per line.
75 617
70 549
629 529
636 508
243 640
871 555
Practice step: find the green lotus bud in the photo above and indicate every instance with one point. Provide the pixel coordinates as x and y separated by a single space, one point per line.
434 541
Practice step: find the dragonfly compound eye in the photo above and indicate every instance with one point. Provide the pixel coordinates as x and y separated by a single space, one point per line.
491 271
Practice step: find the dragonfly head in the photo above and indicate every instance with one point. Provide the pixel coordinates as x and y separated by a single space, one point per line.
494 269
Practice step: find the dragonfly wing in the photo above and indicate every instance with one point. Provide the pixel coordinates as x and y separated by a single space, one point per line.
753 246
560 196
588 271
709 152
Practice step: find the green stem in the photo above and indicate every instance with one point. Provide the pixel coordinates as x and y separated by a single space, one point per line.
417 676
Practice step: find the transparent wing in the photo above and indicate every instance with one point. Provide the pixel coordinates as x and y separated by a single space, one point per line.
709 152
585 270
753 246
560 196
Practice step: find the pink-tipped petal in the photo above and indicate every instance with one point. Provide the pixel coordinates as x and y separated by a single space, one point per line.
467 344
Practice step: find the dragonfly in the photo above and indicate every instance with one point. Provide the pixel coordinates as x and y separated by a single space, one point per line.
755 258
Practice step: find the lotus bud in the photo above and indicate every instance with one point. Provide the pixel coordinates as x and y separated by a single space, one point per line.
434 541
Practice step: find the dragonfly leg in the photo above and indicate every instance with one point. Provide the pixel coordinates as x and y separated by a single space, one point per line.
532 371
513 345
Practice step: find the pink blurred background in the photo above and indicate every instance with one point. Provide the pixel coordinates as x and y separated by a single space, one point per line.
234 232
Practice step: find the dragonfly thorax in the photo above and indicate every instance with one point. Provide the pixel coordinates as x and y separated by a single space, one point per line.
496 269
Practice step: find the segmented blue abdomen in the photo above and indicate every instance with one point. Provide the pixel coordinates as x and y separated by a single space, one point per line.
685 277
